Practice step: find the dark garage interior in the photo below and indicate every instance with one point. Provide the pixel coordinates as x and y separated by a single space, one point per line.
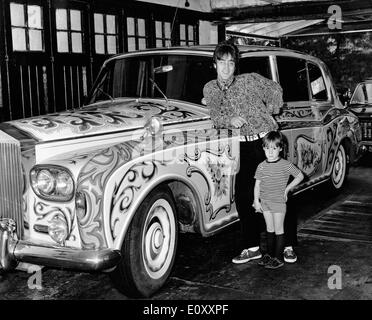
52 50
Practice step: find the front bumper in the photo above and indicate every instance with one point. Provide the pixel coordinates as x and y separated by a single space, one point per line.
13 251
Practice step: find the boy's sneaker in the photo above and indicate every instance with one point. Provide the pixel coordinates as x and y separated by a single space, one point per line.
247 255
274 263
289 255
265 260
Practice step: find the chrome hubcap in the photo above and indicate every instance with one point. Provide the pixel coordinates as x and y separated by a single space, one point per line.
339 169
159 239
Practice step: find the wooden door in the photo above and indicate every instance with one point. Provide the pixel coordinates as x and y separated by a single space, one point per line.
27 62
72 60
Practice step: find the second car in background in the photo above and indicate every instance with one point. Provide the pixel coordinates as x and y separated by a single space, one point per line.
361 105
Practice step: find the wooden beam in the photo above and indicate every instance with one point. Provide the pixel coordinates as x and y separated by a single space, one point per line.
289 11
285 29
221 32
273 29
322 29
250 35
273 1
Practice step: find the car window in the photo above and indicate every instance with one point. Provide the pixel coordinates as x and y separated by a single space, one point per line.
180 77
293 78
317 84
362 94
260 65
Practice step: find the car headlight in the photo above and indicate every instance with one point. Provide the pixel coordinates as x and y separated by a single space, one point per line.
80 204
52 183
58 230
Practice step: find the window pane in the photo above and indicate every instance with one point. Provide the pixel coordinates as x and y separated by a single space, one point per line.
190 73
36 42
34 16
111 24
191 33
61 19
368 92
131 44
182 32
167 30
17 16
130 26
318 88
158 28
19 39
141 27
62 41
98 23
359 95
77 45
260 65
100 44
362 94
159 43
111 45
75 20
293 79
141 44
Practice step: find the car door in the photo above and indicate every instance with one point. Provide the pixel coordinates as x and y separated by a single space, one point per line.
307 101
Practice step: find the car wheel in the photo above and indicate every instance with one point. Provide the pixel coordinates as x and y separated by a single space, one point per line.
339 169
149 247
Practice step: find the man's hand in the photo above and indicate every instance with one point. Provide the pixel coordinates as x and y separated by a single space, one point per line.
237 122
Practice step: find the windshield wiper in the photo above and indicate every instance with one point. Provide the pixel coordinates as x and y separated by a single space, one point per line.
157 87
106 94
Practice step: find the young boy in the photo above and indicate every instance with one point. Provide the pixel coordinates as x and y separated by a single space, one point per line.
270 196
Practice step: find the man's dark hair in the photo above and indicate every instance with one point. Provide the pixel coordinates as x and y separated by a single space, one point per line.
274 137
226 47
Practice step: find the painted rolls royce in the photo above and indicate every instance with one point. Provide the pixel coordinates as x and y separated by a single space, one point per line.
361 105
111 185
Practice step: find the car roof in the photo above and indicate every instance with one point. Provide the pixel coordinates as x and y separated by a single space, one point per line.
208 48
211 47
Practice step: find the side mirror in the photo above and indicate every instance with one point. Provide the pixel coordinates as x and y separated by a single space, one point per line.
344 94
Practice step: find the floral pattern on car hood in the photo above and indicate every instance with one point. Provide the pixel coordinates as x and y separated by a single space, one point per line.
120 115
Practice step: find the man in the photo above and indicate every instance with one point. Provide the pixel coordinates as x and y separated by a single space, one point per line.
245 101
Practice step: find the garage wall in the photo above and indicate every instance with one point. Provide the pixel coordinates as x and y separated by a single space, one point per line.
52 50
2 56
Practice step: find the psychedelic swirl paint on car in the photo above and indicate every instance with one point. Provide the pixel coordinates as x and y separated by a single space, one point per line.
110 186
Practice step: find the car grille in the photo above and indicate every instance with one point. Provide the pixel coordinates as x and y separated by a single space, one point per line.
366 130
11 183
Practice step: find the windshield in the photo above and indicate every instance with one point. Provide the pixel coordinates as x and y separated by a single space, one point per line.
362 94
180 77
